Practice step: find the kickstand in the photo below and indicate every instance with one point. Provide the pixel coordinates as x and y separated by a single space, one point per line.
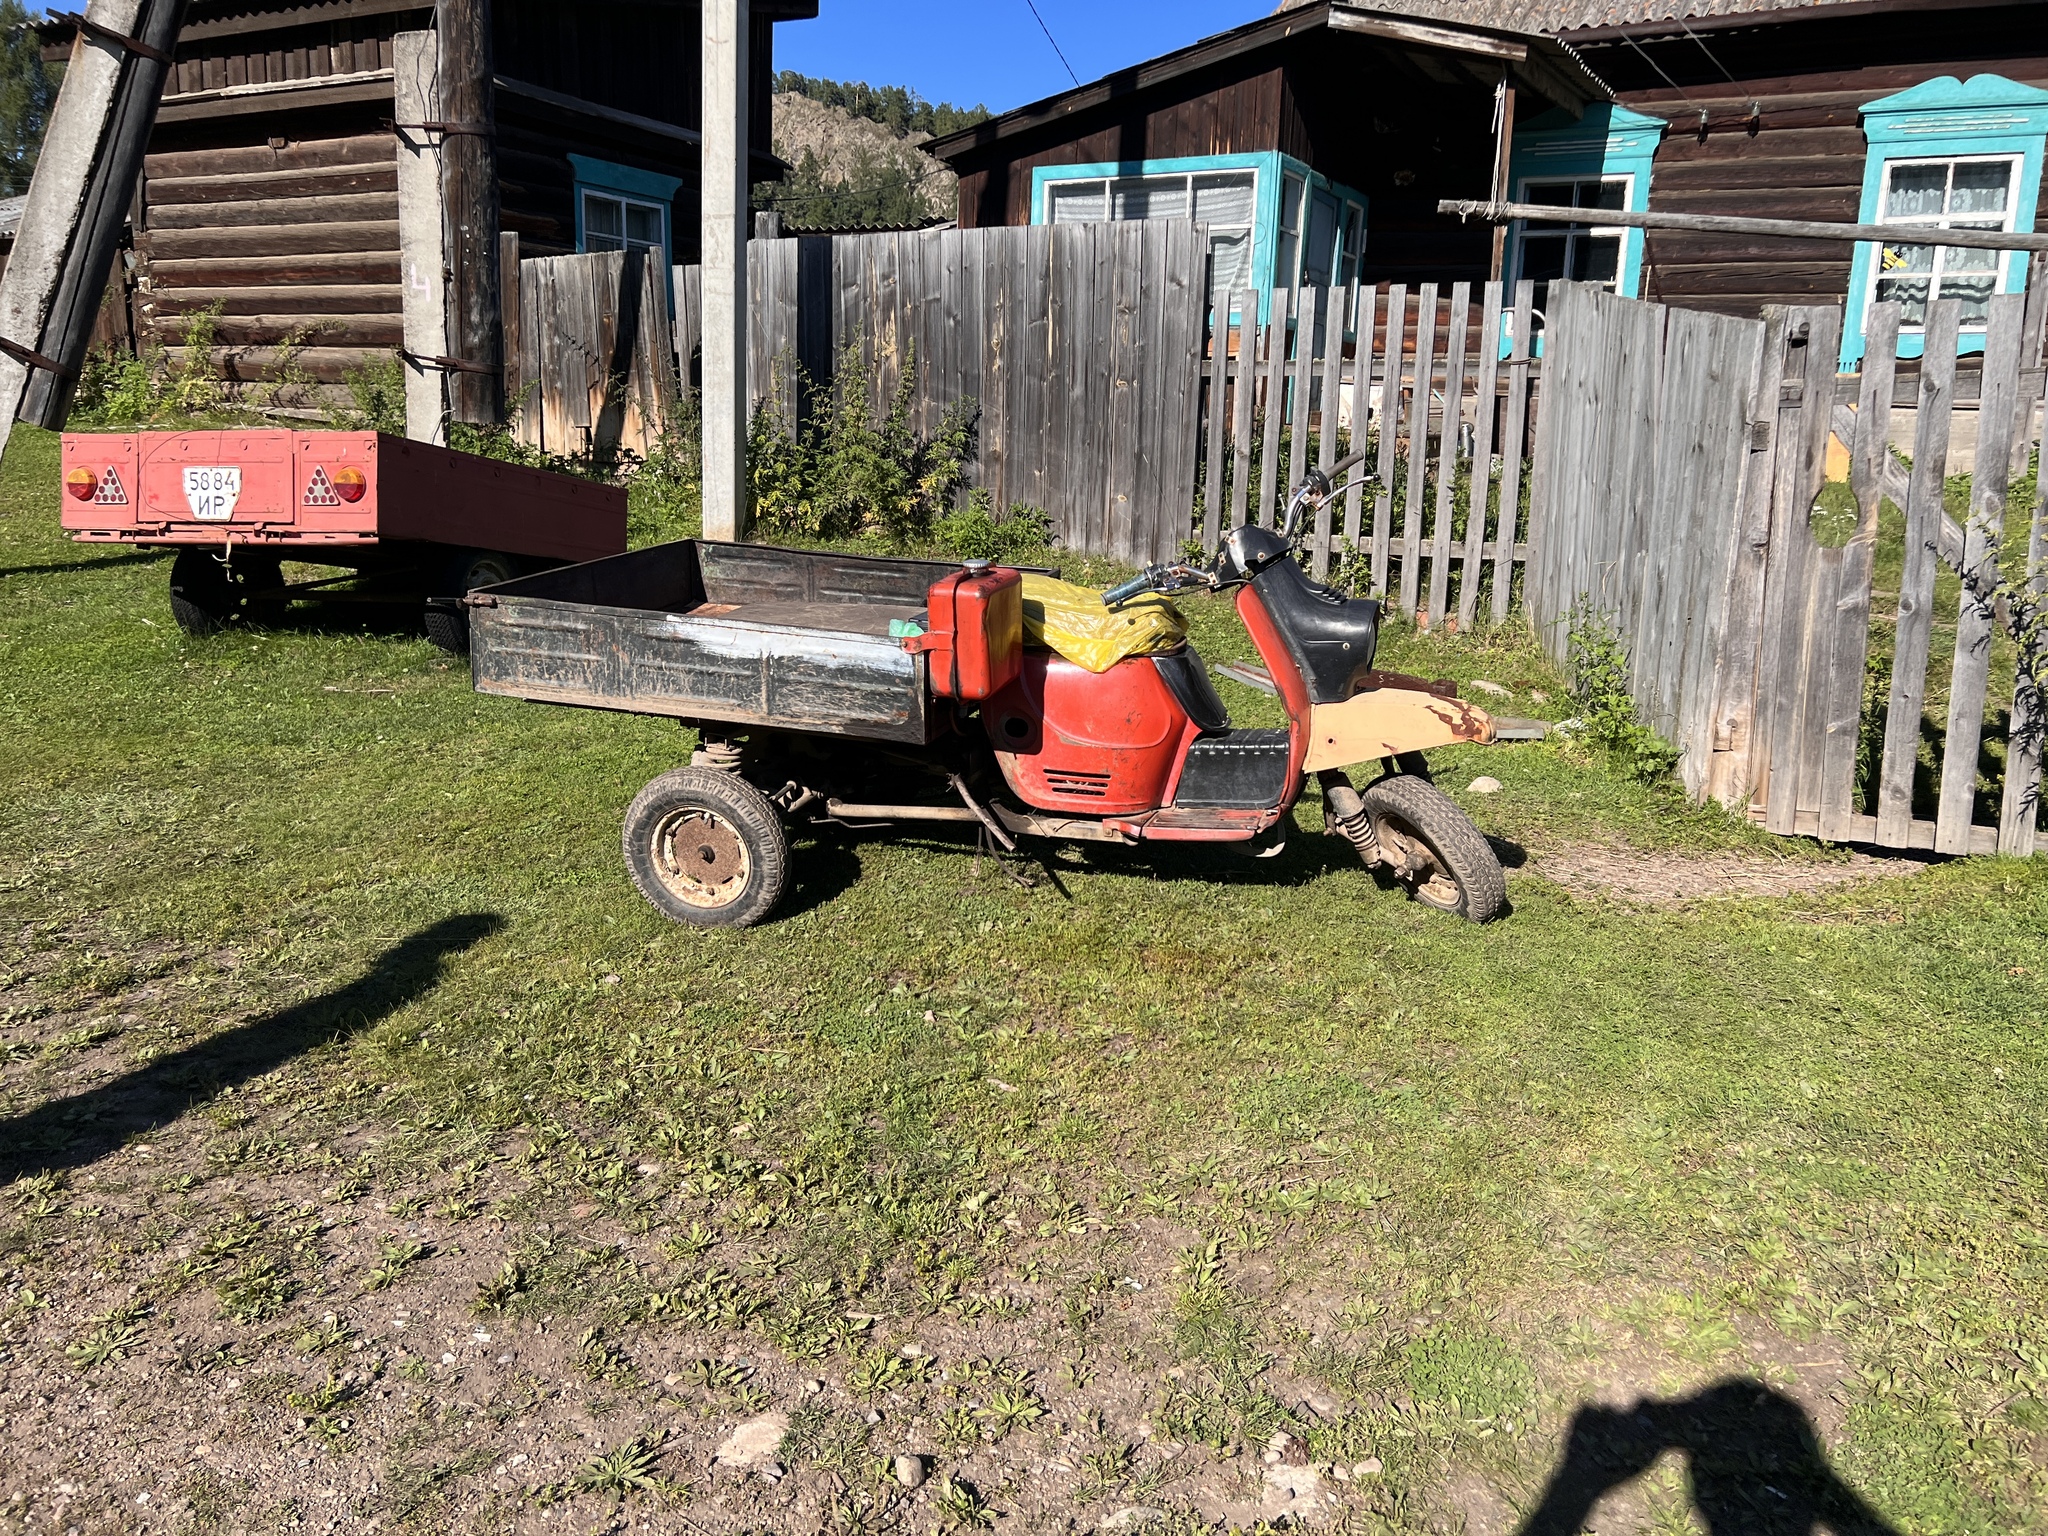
987 845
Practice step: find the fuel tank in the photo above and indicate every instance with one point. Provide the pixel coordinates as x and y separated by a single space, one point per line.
1091 743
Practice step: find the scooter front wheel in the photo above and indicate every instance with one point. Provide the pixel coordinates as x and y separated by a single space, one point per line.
1435 851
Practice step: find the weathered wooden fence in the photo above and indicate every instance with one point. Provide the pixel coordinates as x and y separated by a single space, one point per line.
1080 344
1433 383
1679 469
590 367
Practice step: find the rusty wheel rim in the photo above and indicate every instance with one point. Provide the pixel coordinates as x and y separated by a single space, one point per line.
1419 868
700 858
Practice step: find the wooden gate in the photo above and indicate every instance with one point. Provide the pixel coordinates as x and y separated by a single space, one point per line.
1817 620
1945 756
590 369
1642 463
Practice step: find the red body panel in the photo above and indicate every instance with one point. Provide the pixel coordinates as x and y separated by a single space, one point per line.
414 492
1258 623
976 640
1096 744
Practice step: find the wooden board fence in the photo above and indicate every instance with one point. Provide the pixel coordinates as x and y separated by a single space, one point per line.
1680 464
1080 345
1363 367
596 366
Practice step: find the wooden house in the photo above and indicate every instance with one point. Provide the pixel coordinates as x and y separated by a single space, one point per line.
1923 112
271 189
1314 143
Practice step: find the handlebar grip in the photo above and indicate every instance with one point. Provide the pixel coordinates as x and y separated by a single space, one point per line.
1349 462
1137 586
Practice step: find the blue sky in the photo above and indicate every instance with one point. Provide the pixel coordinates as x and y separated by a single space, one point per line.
992 50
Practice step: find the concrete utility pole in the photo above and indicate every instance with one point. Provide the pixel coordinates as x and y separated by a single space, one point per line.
82 184
422 234
723 221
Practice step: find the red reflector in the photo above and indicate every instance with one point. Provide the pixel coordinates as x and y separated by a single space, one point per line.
350 483
81 483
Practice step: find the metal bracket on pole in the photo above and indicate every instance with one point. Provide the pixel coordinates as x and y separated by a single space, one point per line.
481 130
445 364
92 28
33 359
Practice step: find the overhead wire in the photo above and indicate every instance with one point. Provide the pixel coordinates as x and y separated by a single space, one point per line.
1053 40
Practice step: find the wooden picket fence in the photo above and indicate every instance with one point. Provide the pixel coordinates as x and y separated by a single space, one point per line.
1678 469
1428 380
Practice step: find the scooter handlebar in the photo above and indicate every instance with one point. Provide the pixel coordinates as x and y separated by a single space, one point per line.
1137 586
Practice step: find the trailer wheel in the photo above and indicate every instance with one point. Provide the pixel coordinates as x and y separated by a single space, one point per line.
447 621
706 848
206 596
1441 858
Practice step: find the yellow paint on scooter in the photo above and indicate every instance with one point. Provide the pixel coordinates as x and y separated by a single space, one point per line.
1383 722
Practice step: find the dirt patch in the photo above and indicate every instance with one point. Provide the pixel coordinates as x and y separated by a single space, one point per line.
1669 879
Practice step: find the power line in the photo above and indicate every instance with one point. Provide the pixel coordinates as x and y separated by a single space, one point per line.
1053 40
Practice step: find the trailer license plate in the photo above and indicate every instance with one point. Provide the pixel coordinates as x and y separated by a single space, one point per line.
212 491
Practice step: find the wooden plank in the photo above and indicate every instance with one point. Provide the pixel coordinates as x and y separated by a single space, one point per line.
1187 294
298 299
1361 404
1514 426
323 181
1246 371
275 240
1842 705
1733 722
1130 386
299 155
2019 810
356 267
1785 658
272 212
1417 457
1976 619
1447 452
1390 418
1335 312
1916 584
1301 396
1484 406
1274 401
1219 389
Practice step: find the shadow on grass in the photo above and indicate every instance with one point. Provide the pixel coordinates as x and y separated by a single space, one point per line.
59 567
74 1131
1755 1462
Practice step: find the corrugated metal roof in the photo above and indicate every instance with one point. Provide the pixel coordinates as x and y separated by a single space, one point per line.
1577 15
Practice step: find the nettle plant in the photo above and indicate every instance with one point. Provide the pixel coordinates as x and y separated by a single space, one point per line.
1598 663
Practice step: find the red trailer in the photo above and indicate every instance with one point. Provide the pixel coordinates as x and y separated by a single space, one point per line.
409 522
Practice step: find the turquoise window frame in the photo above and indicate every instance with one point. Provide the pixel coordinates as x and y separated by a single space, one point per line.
1609 141
594 175
1946 119
1272 167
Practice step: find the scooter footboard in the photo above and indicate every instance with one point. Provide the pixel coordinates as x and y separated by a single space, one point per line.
1385 722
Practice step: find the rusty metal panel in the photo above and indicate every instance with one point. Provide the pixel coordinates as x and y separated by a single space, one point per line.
623 634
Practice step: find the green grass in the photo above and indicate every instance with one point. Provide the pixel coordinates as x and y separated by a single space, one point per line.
1455 1177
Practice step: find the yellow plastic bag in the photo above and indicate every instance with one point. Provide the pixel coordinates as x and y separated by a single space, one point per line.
1075 622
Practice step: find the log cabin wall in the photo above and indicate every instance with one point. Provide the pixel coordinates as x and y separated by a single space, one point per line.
295 240
1803 155
271 188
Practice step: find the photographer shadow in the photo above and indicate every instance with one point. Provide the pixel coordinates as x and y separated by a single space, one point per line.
1756 1464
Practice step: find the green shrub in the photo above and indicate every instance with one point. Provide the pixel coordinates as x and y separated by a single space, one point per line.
973 533
1598 663
845 475
376 393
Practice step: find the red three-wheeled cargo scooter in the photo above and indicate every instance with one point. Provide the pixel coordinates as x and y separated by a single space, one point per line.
839 688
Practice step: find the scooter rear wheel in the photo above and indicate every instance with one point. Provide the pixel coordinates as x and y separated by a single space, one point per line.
1439 856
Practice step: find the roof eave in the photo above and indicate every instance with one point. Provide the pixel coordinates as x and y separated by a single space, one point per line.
1547 65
